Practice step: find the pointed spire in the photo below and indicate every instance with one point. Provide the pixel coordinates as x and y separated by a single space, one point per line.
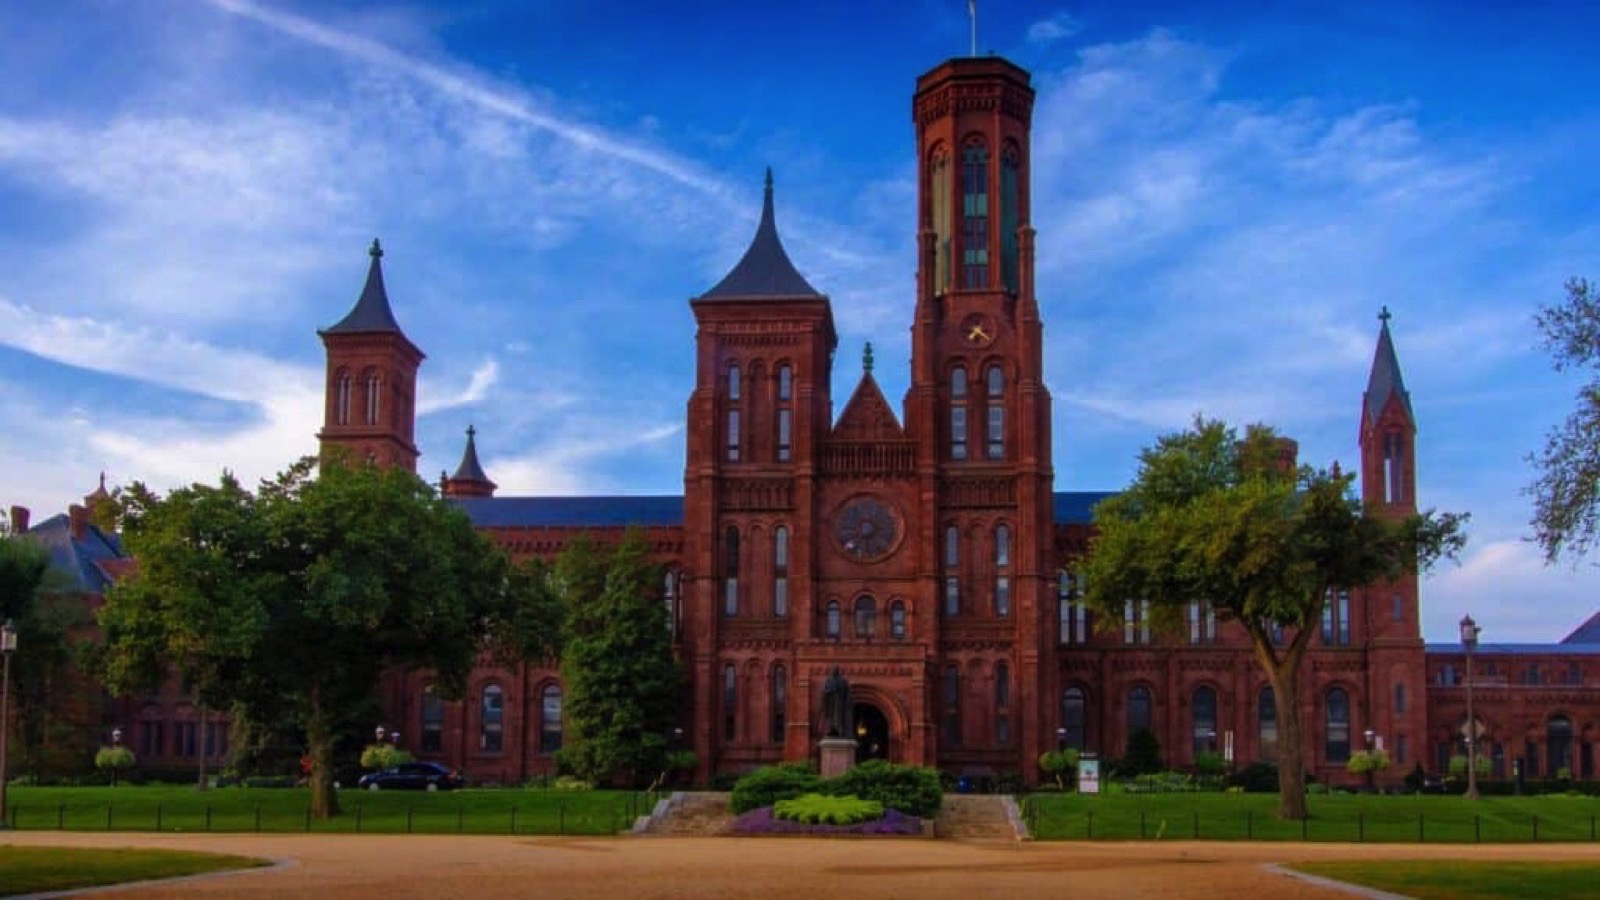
1385 379
372 311
470 480
765 269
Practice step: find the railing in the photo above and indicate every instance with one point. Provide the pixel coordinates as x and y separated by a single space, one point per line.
869 457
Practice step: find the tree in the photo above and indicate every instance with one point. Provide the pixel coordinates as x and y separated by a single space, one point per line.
47 724
1057 763
1142 756
1566 493
290 603
623 683
1214 518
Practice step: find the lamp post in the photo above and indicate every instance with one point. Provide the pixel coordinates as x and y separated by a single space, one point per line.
1367 737
8 646
1061 738
1469 640
379 733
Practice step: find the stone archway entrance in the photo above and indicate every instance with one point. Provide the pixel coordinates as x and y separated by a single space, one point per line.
872 732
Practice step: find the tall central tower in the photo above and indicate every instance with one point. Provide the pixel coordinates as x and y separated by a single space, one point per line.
979 408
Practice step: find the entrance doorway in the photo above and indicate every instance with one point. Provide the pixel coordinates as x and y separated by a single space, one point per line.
872 732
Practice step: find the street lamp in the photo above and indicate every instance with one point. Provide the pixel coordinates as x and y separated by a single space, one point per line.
1469 640
1061 738
8 646
1367 737
379 732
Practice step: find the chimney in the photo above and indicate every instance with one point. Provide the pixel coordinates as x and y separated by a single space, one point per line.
78 521
19 519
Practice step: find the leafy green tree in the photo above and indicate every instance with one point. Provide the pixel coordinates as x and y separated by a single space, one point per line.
45 677
622 680
1216 518
1566 493
290 603
1057 763
1143 754
113 760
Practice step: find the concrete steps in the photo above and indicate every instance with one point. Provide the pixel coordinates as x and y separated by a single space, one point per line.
974 817
695 814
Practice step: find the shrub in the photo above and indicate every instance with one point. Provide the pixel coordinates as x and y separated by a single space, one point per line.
817 809
766 786
1361 762
1257 778
1210 764
379 757
1056 763
1144 754
113 760
571 783
1164 783
1416 778
913 790
1458 765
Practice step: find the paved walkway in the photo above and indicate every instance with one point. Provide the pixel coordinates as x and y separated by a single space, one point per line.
397 867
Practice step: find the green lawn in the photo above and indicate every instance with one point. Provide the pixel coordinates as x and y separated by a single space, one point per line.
1338 817
1467 880
31 870
170 808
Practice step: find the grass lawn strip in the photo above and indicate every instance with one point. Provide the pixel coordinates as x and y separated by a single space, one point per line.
37 870
1449 879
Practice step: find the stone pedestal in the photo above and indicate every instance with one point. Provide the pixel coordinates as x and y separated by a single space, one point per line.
838 755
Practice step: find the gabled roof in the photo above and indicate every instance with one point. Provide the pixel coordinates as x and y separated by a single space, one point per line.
868 415
89 565
765 271
372 312
1385 378
1587 633
1454 649
1076 507
470 469
572 512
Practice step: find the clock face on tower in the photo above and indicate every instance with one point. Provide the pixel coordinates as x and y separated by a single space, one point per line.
866 528
977 330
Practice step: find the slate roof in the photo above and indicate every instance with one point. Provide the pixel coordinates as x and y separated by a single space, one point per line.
470 469
1455 649
1071 508
1587 633
765 269
1385 377
88 566
372 311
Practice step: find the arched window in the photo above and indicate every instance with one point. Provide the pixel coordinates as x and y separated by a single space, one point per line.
1267 725
1336 618
958 413
975 215
939 194
1002 570
785 413
996 443
1400 699
341 405
952 570
730 704
780 569
1558 743
733 382
866 618
491 721
780 702
1393 468
1002 702
1336 718
734 397
1140 704
1204 711
730 572
550 719
1073 614
952 707
833 620
432 720
1075 718
897 621
374 397
1010 166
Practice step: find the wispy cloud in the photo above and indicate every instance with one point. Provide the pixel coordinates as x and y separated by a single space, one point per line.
477 388
1056 27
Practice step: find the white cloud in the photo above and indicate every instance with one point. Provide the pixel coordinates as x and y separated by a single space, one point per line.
1054 28
1505 585
483 378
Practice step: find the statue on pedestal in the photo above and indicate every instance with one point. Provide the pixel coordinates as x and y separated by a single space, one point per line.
836 705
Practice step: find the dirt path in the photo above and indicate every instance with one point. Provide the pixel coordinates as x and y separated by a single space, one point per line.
395 867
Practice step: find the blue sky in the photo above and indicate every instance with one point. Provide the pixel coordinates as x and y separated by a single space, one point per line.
1224 196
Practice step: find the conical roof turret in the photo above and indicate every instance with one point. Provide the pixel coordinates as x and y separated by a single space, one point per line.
765 270
372 311
1385 379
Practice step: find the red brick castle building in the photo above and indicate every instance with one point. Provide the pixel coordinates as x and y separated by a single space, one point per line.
925 552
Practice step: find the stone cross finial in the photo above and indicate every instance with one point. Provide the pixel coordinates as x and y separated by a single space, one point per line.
866 358
1384 316
376 251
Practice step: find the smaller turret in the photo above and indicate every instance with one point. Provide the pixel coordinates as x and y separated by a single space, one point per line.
470 480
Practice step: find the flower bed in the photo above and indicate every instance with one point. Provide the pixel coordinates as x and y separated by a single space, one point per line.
762 821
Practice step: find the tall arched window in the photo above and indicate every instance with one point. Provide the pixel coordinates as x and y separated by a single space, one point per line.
730 704
730 572
1002 703
975 215
780 570
550 719
1336 618
1558 744
1400 699
341 404
866 618
432 720
780 702
1010 178
1075 718
996 408
939 193
1074 615
785 413
734 397
832 623
1267 725
952 707
374 397
1140 704
669 597
1336 718
1002 570
952 570
1204 711
897 620
491 722
958 413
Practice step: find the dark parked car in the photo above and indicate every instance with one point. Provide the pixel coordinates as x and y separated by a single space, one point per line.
415 776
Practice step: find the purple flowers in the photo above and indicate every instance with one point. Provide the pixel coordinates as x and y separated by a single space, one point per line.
761 821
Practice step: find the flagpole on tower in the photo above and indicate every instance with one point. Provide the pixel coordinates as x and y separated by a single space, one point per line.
972 24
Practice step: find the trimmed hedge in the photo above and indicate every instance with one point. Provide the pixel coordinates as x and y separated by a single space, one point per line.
912 790
766 786
816 809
